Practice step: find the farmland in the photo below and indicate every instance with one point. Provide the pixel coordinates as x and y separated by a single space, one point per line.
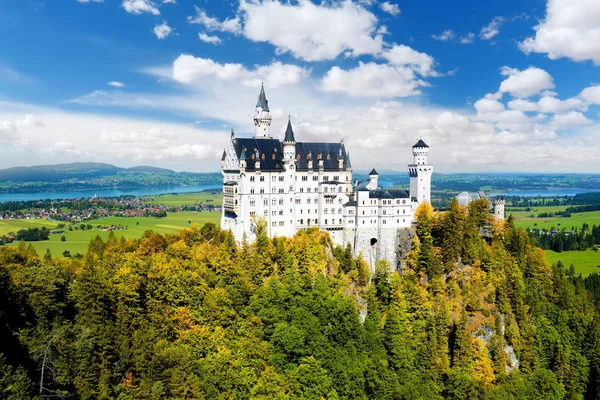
585 262
77 240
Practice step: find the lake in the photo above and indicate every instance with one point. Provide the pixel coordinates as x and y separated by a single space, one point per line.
545 193
76 194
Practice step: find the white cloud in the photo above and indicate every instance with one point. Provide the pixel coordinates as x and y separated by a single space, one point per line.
525 83
487 106
390 8
91 1
570 29
213 24
209 39
162 31
116 84
591 95
547 104
569 120
444 36
373 80
138 7
30 120
169 1
406 56
306 30
9 133
468 39
492 29
187 69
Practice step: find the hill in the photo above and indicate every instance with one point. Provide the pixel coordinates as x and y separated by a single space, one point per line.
80 176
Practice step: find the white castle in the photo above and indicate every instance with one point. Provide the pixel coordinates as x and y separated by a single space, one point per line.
295 185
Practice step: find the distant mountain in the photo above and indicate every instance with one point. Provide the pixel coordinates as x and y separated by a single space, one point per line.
57 172
78 176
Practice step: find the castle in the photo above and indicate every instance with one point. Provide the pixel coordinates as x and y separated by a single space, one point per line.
295 185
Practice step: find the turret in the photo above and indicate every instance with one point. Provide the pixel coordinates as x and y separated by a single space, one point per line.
420 173
499 208
373 179
243 161
262 116
256 158
289 143
340 158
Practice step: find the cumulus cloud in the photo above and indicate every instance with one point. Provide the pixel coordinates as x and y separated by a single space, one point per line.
525 83
492 29
444 36
570 29
9 133
187 69
232 25
162 31
406 56
591 95
138 7
116 84
373 80
209 39
468 39
573 119
306 30
390 8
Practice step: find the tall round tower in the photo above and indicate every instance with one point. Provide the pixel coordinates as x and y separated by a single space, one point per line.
262 116
499 208
420 173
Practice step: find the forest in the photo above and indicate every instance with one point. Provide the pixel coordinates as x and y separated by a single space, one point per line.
474 311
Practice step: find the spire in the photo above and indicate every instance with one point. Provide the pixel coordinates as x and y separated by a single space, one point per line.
262 99
232 133
289 132
420 143
373 172
348 164
243 156
224 156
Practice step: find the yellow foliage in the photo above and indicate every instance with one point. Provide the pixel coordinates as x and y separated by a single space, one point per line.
483 370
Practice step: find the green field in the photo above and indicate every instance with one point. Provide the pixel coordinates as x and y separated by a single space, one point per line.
574 221
585 262
15 225
77 241
188 199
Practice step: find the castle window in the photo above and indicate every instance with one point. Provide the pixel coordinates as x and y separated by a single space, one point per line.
339 210
274 202
315 178
251 190
301 221
325 178
340 221
298 201
325 189
325 211
404 211
262 178
262 190
280 212
281 223
266 213
304 178
281 190
252 213
301 190
273 224
273 190
266 202
252 202
274 213
273 178
340 200
336 177
251 179
307 201
308 190
280 202
403 201
333 210
325 221
281 178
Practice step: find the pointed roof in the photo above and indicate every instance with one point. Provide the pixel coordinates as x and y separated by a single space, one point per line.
347 161
373 172
262 99
289 132
243 156
224 155
420 143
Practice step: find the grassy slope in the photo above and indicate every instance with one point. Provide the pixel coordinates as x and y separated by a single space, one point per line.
77 241
188 199
14 225
585 262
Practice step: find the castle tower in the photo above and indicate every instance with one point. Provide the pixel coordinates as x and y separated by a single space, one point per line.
499 208
262 117
420 173
373 180
289 144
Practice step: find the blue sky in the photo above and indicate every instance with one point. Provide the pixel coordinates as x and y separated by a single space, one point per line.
490 85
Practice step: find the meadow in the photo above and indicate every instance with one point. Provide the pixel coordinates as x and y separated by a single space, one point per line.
574 221
187 199
585 262
14 225
77 241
